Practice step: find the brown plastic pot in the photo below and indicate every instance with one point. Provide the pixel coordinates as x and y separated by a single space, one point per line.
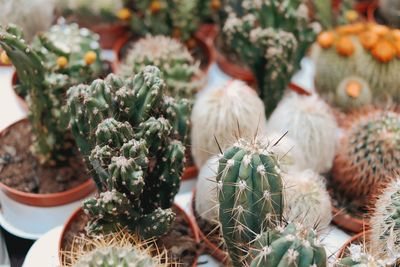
47 200
79 212
109 33
360 237
347 222
212 249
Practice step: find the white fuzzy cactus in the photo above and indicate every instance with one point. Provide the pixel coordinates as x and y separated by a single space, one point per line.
231 111
306 200
385 232
310 122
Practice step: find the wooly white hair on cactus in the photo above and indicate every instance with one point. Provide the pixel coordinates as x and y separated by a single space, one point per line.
281 146
206 191
310 122
232 111
306 200
385 233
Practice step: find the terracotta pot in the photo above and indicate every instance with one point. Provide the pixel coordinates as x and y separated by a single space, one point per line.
371 10
347 222
362 7
109 33
189 172
212 249
79 212
47 200
353 240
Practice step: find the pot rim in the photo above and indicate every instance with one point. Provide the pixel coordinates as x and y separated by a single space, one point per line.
348 222
352 240
47 200
77 212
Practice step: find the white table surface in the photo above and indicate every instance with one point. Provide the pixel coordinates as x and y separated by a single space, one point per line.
44 252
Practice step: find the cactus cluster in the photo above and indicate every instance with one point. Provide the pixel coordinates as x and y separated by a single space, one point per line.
112 250
86 10
357 256
290 245
250 186
232 110
368 155
271 37
369 51
176 18
57 59
311 124
174 60
126 129
332 13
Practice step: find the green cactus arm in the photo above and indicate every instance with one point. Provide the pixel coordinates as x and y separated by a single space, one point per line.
156 223
49 45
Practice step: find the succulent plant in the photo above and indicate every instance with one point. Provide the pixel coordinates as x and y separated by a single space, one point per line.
311 124
32 16
249 186
290 245
306 200
331 14
171 57
175 18
352 93
369 51
125 128
359 256
112 250
368 154
45 71
231 111
385 233
390 10
271 37
86 10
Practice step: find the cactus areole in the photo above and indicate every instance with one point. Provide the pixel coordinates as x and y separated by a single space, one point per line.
126 130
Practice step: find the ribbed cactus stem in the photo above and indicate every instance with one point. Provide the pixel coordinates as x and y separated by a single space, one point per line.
291 246
250 194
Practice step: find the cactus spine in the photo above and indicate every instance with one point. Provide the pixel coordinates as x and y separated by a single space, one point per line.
171 57
268 35
44 80
368 155
250 194
291 246
125 128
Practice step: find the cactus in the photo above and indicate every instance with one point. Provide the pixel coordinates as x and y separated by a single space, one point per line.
311 124
271 37
250 196
369 154
230 111
45 71
353 92
366 50
330 15
125 129
358 256
175 18
85 11
385 234
390 10
306 200
117 249
171 57
32 16
291 245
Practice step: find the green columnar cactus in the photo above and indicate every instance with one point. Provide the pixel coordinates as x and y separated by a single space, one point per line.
271 37
385 222
171 57
125 127
45 71
250 194
289 246
115 257
369 154
176 18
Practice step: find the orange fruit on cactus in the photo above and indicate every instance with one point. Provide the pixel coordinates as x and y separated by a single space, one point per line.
155 6
368 39
326 39
384 51
345 46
